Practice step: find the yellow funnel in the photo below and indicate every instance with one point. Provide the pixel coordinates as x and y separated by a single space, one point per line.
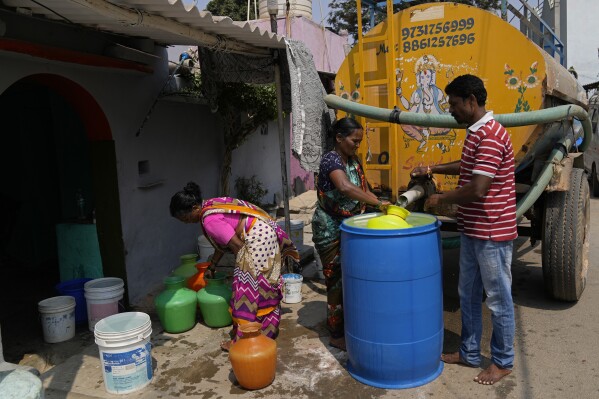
394 219
398 211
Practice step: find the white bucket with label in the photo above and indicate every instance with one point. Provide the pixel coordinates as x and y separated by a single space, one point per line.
205 249
292 287
57 315
296 233
125 351
102 296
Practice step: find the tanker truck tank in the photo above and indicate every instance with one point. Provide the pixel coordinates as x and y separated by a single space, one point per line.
393 82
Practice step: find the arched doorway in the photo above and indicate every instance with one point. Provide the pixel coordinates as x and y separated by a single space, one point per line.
56 147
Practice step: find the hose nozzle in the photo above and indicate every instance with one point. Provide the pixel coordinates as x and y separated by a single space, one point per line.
418 188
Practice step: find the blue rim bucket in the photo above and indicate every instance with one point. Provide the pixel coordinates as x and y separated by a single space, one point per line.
75 288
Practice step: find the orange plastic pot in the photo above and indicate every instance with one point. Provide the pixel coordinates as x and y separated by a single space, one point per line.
197 282
253 357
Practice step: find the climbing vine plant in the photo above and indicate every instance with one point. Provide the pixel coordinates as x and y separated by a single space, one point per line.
242 109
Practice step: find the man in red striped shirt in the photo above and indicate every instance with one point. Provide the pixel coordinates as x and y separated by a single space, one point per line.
486 199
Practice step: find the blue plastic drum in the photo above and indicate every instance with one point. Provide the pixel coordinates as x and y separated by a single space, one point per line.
393 301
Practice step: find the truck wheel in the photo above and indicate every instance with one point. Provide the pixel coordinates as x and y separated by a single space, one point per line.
566 239
594 182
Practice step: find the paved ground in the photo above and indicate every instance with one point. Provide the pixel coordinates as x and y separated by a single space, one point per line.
556 349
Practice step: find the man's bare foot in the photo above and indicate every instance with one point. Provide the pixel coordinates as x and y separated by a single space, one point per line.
225 345
491 375
338 343
454 358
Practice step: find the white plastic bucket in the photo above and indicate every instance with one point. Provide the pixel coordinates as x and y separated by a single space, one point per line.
292 291
125 351
57 315
102 296
205 249
297 232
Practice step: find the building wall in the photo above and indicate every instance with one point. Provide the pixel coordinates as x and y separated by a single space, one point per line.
181 142
260 156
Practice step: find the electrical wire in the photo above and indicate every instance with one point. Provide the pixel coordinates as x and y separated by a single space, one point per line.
52 11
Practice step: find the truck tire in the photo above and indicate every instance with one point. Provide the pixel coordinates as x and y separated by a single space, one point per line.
594 182
565 253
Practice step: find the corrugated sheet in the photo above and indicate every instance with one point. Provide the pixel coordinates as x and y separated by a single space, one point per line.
99 14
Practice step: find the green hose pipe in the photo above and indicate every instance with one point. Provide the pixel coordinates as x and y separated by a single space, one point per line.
546 115
557 154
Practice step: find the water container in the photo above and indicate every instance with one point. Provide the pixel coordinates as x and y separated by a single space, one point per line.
393 301
205 249
75 289
296 233
292 289
187 267
214 301
102 296
125 351
296 8
176 305
58 318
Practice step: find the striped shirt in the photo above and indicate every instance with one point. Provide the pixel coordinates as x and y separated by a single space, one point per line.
488 151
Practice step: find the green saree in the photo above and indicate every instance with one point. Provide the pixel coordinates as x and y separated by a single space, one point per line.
330 211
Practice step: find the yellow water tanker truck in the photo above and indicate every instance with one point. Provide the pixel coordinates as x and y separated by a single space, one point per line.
392 81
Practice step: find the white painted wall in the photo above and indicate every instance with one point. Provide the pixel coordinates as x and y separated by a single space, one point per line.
260 156
182 142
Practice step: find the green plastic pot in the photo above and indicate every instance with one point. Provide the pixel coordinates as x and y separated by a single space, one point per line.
176 305
214 301
187 268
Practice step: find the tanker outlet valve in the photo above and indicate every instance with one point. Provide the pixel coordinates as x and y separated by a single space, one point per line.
418 188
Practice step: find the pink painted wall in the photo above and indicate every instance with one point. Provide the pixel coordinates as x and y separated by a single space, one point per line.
326 46
328 50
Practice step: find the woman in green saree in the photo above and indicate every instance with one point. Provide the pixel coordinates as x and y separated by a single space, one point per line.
342 192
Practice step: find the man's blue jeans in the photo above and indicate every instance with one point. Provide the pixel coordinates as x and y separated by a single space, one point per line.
486 264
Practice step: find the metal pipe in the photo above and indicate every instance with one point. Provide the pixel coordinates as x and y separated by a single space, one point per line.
413 194
273 10
508 120
282 140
